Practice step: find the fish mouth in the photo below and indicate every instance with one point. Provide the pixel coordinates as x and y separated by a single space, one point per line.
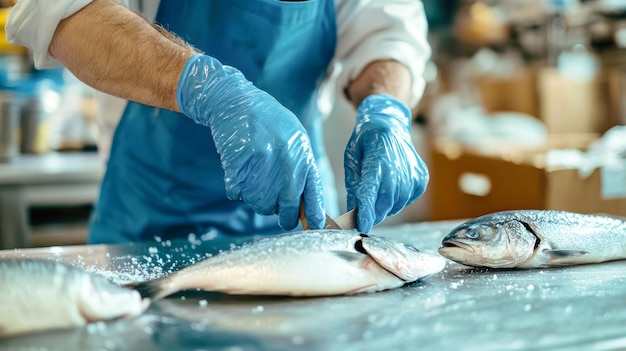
452 244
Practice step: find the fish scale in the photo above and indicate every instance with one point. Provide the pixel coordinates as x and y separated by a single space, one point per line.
572 230
306 263
39 295
565 238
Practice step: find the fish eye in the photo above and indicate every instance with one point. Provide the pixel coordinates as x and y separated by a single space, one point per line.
472 233
410 247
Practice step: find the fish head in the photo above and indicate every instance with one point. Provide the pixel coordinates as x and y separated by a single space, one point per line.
488 243
402 260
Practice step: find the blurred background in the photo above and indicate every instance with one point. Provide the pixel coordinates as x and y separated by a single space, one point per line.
524 108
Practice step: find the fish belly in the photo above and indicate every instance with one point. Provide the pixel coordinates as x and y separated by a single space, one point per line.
316 274
592 240
20 317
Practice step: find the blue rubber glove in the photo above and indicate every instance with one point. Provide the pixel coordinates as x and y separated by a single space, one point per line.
383 171
264 149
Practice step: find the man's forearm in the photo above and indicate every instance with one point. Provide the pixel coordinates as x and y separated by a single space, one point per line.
114 50
381 77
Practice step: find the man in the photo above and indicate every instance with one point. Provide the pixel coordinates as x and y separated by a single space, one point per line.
217 133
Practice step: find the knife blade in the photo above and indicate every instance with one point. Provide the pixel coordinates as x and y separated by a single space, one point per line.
346 221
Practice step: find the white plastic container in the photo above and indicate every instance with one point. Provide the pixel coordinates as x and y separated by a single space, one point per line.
9 118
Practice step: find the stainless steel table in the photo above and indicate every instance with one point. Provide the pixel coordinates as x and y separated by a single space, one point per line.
576 308
43 180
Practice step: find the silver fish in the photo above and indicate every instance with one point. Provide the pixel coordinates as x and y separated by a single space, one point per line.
38 295
309 263
535 239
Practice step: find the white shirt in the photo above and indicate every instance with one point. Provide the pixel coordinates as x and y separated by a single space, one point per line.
368 30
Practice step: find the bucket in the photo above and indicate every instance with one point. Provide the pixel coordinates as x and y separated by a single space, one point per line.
30 126
9 117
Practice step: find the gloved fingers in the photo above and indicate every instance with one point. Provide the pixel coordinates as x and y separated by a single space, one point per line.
379 186
264 149
390 199
261 202
421 177
261 189
314 200
351 202
403 179
384 207
352 171
242 183
398 183
288 214
397 186
289 202
412 178
366 195
383 171
233 191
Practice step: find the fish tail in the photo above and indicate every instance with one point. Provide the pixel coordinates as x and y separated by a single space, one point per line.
153 289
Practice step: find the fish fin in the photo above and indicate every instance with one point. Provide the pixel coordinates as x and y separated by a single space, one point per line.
563 253
564 257
151 289
348 256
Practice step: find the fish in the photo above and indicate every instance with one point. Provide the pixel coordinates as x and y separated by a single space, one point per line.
305 263
529 239
40 295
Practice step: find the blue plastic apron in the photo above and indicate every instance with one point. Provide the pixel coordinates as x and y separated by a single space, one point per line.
164 177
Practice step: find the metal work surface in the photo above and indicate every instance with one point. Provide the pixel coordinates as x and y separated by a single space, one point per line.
52 168
575 308
51 179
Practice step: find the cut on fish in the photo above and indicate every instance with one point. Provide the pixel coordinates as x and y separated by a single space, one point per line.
307 263
536 239
38 295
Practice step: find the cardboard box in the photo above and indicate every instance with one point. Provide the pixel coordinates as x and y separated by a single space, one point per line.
468 183
565 105
512 94
571 106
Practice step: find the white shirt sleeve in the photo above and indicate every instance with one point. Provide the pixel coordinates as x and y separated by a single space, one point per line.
370 30
32 24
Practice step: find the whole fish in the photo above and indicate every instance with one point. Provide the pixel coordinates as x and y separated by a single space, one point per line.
38 295
536 238
309 263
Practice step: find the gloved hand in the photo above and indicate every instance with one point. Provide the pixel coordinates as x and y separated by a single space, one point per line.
383 171
264 149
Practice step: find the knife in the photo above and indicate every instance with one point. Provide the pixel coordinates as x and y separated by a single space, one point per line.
346 221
